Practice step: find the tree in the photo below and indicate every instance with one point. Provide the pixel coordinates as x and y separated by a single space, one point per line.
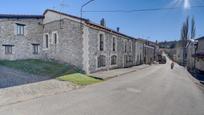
185 32
193 34
193 29
185 38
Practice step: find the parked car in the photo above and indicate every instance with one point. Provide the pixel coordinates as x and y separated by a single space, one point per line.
162 59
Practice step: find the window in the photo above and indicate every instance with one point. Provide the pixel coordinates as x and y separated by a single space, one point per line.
128 58
130 46
8 49
35 48
114 44
55 38
46 40
101 61
101 42
125 46
20 29
113 60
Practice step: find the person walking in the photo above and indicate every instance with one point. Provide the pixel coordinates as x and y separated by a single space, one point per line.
172 65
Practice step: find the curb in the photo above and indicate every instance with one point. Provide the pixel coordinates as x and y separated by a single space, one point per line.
114 76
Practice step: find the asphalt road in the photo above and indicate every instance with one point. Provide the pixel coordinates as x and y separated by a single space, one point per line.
156 90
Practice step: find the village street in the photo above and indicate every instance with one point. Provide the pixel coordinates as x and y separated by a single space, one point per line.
156 90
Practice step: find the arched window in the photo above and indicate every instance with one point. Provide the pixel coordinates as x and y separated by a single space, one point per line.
113 60
101 61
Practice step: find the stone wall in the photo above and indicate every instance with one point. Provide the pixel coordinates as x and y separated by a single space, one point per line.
148 54
69 46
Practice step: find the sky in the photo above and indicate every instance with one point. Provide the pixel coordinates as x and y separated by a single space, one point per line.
163 25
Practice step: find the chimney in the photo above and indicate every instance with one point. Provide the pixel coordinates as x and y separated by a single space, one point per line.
118 29
103 23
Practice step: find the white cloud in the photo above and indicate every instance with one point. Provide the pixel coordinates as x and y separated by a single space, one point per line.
186 4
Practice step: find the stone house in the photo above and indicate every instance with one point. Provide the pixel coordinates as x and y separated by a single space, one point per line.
69 39
190 52
199 54
151 52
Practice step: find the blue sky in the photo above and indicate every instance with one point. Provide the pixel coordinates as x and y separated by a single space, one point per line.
152 25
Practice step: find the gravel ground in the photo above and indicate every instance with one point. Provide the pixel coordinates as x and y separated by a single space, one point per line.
11 77
16 86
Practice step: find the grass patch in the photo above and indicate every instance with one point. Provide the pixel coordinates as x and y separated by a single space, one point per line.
41 67
80 79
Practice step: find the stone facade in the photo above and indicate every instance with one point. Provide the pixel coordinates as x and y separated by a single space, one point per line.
149 54
22 45
69 42
120 53
139 52
199 55
70 39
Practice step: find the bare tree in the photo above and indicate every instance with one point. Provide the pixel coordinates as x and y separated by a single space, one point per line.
193 29
185 38
185 32
193 34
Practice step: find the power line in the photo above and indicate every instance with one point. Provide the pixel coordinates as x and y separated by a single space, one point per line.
137 10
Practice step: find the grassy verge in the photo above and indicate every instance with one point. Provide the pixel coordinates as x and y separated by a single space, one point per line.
80 79
53 69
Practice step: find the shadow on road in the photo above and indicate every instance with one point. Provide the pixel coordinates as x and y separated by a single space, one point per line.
197 75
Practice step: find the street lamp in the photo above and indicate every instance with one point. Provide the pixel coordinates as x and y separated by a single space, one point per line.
81 11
